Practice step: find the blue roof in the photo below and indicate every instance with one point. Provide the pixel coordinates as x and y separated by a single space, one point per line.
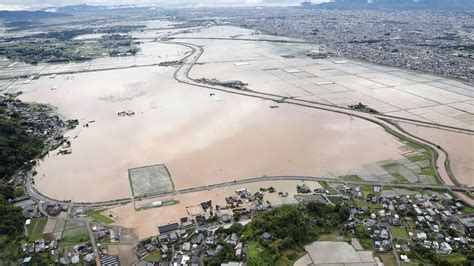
168 228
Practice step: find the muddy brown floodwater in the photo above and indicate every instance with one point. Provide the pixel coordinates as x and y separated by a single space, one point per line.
202 138
459 146
147 221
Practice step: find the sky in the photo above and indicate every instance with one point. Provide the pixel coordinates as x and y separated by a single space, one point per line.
36 4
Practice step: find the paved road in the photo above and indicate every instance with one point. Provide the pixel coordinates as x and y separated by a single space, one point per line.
182 75
439 156
33 193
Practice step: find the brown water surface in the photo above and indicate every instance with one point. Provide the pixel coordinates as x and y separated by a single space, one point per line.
459 146
203 139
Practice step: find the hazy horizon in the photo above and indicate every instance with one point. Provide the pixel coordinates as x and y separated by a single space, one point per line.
35 4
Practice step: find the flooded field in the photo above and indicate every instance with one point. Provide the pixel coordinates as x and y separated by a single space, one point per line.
202 139
284 69
459 146
206 137
147 221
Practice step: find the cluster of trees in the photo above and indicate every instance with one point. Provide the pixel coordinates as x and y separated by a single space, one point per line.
37 51
291 227
11 226
17 147
428 255
228 252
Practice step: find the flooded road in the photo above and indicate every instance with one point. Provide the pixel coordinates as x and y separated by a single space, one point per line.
203 136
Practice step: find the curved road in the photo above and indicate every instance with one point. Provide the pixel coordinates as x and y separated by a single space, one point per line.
439 156
33 192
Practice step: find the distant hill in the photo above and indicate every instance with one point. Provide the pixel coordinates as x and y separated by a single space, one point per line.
85 8
79 8
395 4
29 15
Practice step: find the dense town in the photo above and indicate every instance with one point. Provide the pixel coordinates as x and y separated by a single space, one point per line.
407 226
264 220
427 41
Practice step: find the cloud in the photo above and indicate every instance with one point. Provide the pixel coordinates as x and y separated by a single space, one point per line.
35 4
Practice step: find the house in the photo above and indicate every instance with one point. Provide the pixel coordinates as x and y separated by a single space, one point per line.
445 248
39 246
404 258
53 245
195 261
181 233
173 236
186 222
144 263
303 189
116 232
186 246
185 259
154 241
233 239
198 239
421 236
90 257
266 236
384 234
168 228
27 261
109 260
75 259
264 206
163 238
225 218
468 224
141 250
377 244
238 250
150 247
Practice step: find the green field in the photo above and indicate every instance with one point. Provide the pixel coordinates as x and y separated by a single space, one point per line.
99 217
400 178
288 257
335 199
399 232
254 251
390 165
76 235
419 157
428 171
70 224
154 257
371 206
36 227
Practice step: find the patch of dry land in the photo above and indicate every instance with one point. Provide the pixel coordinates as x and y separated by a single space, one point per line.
322 253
